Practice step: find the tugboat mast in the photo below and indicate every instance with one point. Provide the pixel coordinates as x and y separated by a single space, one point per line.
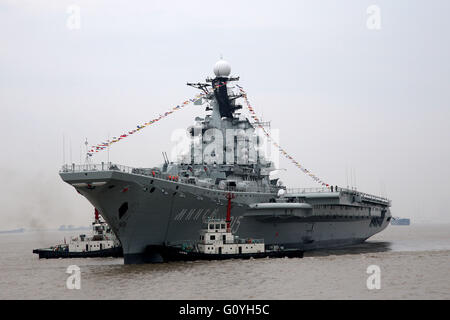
96 215
228 220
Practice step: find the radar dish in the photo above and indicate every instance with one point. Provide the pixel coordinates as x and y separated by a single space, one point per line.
222 69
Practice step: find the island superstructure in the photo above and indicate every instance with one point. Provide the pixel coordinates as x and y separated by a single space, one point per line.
157 207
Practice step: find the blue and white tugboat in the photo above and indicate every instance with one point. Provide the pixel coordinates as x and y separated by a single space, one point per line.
102 243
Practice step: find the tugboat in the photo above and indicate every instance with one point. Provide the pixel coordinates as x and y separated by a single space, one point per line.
217 242
102 243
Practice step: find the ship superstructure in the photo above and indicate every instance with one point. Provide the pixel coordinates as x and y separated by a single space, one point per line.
148 208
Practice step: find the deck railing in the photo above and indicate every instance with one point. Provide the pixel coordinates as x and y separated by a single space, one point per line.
337 189
90 167
306 190
73 168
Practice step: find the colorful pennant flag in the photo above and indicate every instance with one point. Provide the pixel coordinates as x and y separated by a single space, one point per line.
282 151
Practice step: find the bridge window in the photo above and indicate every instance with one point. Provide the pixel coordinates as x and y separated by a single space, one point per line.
212 238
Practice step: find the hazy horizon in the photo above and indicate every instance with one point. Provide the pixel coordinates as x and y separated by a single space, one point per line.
356 106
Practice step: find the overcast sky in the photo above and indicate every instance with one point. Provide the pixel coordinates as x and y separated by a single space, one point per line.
355 105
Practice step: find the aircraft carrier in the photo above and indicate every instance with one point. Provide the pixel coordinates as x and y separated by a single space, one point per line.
161 206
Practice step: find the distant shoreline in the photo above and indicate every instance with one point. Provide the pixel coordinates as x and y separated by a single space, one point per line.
65 229
21 230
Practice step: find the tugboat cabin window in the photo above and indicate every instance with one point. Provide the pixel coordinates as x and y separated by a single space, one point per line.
222 226
217 226
211 226
212 238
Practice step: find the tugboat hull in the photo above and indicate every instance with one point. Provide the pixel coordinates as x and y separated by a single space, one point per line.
168 254
51 254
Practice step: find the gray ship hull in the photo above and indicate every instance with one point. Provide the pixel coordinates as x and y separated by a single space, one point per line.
146 211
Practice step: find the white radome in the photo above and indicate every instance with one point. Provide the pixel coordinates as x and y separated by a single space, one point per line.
222 68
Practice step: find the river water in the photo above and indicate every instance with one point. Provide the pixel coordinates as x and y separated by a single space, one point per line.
414 263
